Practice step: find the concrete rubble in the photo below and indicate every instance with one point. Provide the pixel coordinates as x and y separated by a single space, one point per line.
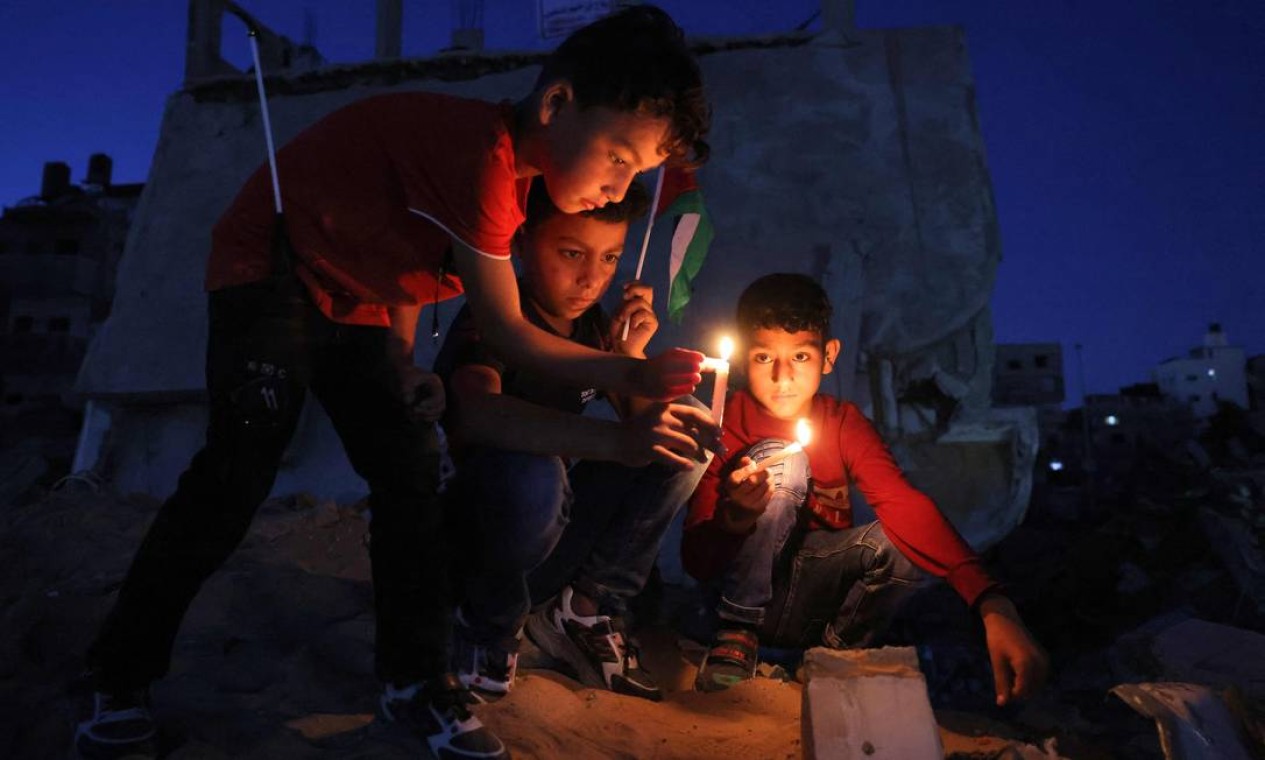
867 703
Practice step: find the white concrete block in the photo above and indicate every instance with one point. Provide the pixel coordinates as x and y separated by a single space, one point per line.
867 703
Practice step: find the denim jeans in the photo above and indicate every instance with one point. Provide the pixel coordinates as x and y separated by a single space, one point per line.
803 588
267 346
531 527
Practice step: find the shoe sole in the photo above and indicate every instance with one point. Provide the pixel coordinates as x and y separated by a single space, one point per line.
485 686
383 730
147 750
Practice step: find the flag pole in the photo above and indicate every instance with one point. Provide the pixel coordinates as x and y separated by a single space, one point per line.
645 240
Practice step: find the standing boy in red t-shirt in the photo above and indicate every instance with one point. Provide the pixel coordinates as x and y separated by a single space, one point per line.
391 203
792 569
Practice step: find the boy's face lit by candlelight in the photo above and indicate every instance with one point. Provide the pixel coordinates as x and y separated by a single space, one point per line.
784 369
568 263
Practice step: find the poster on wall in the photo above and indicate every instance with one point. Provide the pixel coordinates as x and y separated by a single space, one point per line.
558 18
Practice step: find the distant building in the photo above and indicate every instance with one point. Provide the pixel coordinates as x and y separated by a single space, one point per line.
59 252
1028 374
1122 429
1256 382
1212 373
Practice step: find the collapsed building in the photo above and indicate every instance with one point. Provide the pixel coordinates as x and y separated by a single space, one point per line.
852 155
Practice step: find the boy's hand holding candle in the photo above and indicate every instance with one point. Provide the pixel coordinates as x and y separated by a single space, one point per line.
803 434
746 497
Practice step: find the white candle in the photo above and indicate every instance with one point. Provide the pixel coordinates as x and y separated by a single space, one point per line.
721 368
803 433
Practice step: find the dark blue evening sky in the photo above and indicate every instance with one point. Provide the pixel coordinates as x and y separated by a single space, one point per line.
1125 138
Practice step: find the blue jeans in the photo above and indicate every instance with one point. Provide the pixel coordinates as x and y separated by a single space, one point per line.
803 588
533 526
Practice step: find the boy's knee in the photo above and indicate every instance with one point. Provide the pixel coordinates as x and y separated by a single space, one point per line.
890 562
522 497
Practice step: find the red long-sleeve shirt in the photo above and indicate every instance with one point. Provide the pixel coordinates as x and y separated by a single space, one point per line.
845 449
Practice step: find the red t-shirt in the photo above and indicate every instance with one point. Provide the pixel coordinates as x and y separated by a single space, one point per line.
372 194
845 449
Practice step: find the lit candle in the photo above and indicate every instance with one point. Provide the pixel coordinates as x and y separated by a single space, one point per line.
721 368
803 434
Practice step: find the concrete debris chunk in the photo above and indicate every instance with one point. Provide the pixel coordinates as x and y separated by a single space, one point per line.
1210 653
1192 720
867 703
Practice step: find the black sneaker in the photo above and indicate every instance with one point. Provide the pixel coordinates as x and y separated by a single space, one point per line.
486 668
117 725
437 714
595 647
731 660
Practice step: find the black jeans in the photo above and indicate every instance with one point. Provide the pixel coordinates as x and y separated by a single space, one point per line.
267 346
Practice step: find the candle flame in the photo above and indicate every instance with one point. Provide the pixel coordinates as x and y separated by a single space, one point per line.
803 433
726 348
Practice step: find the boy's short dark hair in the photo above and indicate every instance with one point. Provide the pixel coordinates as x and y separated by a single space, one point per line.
636 60
792 302
633 206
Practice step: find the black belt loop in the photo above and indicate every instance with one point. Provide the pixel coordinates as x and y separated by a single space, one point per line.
444 266
283 257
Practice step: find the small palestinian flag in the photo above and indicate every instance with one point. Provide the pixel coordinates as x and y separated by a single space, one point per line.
681 197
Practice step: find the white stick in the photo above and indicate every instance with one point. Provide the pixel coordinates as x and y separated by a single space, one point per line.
645 240
263 107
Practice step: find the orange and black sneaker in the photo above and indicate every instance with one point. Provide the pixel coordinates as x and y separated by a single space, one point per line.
731 660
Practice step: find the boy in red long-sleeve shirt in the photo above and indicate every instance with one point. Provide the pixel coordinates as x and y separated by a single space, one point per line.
791 567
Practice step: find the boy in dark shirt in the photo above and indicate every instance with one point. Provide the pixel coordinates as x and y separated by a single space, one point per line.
792 568
540 487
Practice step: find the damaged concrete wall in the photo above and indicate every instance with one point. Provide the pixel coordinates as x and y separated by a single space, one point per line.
857 160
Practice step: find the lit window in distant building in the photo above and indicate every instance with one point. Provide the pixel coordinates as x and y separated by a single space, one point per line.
1212 372
1056 465
1112 420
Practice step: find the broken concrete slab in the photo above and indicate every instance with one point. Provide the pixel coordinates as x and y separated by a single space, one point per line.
1239 550
1216 655
1192 720
867 703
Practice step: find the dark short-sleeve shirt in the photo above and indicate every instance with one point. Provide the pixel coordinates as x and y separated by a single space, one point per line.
464 346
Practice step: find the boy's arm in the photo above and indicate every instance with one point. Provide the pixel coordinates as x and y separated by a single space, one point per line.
1020 664
422 392
492 292
485 416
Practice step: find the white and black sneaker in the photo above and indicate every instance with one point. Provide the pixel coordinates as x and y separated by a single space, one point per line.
485 668
117 725
596 647
437 714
